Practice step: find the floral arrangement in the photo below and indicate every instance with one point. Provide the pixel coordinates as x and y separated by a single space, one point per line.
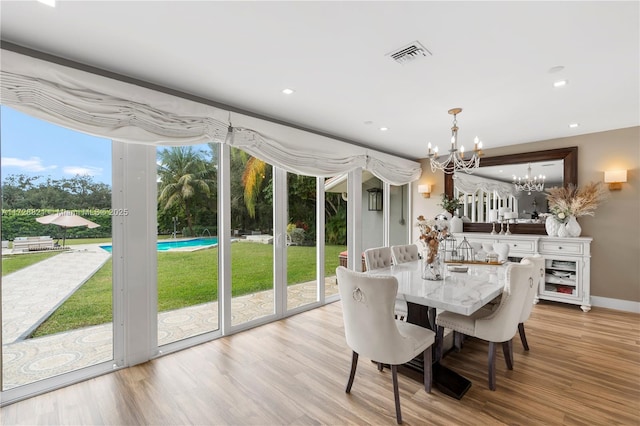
573 201
431 233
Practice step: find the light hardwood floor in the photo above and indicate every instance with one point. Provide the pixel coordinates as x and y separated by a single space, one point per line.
583 368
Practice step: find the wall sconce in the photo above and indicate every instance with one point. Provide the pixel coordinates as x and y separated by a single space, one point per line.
615 178
425 190
375 199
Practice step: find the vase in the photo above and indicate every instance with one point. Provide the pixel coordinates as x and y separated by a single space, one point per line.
432 270
455 224
572 227
551 225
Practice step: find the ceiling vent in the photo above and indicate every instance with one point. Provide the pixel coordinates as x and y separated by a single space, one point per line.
409 53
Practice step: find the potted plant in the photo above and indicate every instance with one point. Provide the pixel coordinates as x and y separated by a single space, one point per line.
450 205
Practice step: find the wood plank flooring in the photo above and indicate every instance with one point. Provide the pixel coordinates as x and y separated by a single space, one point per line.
583 368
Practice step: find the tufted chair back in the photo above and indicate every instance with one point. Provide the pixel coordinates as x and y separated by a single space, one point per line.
404 253
377 258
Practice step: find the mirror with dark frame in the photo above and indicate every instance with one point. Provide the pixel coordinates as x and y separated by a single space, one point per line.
568 157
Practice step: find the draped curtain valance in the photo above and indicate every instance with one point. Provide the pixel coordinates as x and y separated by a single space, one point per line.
117 110
470 184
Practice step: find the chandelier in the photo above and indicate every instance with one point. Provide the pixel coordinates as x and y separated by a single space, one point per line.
529 183
455 161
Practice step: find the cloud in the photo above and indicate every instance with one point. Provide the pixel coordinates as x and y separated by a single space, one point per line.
82 170
33 164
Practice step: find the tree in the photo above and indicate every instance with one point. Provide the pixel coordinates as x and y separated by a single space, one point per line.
185 180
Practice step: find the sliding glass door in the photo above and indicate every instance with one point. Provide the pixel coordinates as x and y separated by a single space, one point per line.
187 242
57 280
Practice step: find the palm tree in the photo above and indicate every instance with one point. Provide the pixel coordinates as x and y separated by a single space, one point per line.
183 176
254 173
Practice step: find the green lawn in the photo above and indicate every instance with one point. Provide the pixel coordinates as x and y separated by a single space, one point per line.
189 278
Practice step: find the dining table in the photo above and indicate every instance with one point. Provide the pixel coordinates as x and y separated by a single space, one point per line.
462 288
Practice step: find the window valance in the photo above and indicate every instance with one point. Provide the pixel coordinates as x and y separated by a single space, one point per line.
470 184
117 110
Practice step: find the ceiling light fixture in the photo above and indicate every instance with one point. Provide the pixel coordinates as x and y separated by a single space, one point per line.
560 83
573 125
455 161
287 91
529 183
384 129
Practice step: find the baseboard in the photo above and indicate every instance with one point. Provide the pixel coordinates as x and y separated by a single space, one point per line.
618 304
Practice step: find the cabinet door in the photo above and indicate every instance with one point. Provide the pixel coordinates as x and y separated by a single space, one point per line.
563 278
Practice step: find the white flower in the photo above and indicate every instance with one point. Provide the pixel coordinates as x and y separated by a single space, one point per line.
561 215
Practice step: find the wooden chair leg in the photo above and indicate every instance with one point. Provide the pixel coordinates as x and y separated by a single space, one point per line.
523 336
507 350
439 342
428 376
396 393
457 340
354 365
492 366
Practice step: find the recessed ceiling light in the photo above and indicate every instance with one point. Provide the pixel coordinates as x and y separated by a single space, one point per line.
556 69
384 129
287 91
560 83
51 3
573 125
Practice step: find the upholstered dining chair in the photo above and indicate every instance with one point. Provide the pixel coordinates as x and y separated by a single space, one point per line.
497 326
377 258
382 257
538 274
372 332
404 253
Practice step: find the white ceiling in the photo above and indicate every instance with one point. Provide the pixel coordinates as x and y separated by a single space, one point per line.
490 58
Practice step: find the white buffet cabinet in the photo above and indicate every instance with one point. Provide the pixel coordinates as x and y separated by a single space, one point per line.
567 261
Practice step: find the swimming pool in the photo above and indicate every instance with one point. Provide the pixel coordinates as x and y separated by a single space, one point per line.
165 245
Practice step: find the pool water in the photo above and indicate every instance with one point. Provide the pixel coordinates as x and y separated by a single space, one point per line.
165 245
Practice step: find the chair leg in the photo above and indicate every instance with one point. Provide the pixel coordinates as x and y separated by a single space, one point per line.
439 342
396 393
354 365
457 340
507 350
492 366
523 336
427 367
380 366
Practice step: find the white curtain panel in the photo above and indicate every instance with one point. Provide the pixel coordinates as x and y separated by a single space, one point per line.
121 111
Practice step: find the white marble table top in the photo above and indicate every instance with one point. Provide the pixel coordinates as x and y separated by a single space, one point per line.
459 292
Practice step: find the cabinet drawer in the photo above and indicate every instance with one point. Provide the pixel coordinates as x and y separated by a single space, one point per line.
526 247
560 248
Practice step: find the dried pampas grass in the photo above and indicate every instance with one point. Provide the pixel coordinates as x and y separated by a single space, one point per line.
574 201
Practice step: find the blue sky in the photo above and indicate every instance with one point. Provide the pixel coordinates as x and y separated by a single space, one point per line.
37 148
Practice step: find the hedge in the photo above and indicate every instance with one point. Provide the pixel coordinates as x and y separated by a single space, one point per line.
22 223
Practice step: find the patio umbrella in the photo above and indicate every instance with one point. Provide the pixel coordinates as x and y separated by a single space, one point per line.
66 220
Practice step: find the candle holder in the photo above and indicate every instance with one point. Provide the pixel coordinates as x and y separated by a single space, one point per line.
508 232
501 226
493 228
